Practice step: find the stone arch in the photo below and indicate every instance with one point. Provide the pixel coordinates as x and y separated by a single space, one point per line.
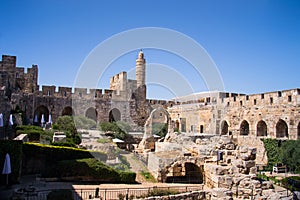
261 128
67 111
39 111
186 172
244 128
159 120
91 113
298 131
224 127
163 114
114 115
281 129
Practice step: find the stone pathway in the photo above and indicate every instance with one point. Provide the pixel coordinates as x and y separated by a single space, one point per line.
136 166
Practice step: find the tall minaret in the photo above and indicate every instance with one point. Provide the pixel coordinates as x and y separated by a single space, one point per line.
140 69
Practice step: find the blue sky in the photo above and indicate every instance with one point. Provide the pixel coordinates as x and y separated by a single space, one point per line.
255 44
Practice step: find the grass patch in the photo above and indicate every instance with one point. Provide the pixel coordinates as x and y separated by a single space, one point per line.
104 140
148 176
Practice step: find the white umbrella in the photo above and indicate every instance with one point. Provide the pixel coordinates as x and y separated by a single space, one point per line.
43 119
11 121
1 120
6 168
50 119
35 119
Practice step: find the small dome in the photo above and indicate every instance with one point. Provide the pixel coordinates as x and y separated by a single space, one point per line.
141 54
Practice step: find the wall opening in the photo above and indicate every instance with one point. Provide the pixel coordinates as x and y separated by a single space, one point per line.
244 128
224 128
114 115
281 129
67 111
38 113
91 113
187 173
201 128
261 128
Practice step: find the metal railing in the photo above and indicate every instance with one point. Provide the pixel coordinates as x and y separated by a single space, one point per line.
109 194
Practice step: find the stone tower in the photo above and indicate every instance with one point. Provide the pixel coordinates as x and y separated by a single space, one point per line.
140 69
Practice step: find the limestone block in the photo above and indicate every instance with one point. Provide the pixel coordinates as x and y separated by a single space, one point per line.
266 185
249 164
243 149
245 183
267 192
233 170
228 181
274 196
256 184
230 146
237 163
253 170
221 193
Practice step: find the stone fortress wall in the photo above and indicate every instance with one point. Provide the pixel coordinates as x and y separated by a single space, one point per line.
273 114
125 99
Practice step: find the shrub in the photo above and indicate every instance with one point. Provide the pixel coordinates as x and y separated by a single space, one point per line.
65 144
90 168
104 140
161 192
33 132
42 156
292 183
127 177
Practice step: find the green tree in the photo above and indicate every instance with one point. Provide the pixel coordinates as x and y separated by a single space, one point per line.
160 129
119 129
289 154
67 125
83 122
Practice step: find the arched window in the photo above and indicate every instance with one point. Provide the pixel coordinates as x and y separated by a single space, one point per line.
281 129
244 128
201 128
261 128
224 128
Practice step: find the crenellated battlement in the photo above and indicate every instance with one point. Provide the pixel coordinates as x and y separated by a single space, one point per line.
263 99
67 92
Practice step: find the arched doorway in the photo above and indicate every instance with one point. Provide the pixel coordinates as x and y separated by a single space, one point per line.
201 128
298 131
187 173
67 111
114 115
41 111
91 113
281 129
224 128
244 128
261 128
176 126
